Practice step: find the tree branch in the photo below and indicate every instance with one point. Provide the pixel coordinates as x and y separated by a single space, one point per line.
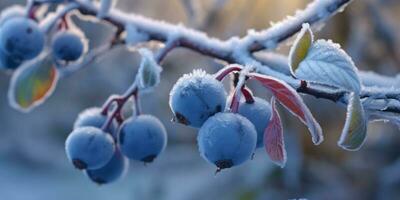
240 50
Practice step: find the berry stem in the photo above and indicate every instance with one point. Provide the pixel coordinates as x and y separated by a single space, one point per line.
248 95
221 74
120 101
163 52
138 110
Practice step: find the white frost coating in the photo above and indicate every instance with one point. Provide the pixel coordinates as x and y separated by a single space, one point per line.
327 63
147 25
149 71
317 7
197 78
355 129
369 79
105 8
133 36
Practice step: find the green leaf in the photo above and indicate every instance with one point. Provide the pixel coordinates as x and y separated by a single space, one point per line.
149 71
32 83
300 47
355 129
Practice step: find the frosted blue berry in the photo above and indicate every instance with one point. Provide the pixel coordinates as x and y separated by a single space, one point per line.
89 148
195 97
142 138
93 117
259 113
67 46
112 171
21 38
227 140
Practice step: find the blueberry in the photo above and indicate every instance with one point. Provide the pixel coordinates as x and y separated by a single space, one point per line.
259 113
21 38
227 140
142 138
67 46
89 148
195 97
111 172
93 117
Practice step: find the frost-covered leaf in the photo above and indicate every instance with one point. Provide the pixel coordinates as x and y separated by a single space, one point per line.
273 138
32 83
327 63
134 36
355 127
300 47
105 7
149 70
289 98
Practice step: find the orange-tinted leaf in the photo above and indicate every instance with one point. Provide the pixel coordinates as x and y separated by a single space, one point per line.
32 83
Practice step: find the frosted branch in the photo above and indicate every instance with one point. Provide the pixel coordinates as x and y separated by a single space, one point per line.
240 50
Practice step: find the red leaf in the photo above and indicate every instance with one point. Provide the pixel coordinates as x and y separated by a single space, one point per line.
292 101
273 138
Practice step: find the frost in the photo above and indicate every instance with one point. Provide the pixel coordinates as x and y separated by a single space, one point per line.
149 70
105 7
134 36
193 79
355 128
372 79
327 63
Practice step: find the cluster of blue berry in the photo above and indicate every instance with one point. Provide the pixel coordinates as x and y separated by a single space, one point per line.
227 137
101 143
21 39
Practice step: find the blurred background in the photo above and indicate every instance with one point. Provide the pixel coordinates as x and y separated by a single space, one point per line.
33 165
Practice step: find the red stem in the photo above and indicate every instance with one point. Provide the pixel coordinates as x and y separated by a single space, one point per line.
32 13
120 101
248 95
220 75
234 103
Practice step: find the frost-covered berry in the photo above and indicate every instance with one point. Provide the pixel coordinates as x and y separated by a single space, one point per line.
227 140
21 38
195 97
93 117
259 113
112 171
67 46
142 138
89 148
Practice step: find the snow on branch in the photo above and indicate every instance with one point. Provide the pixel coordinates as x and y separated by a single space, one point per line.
240 50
